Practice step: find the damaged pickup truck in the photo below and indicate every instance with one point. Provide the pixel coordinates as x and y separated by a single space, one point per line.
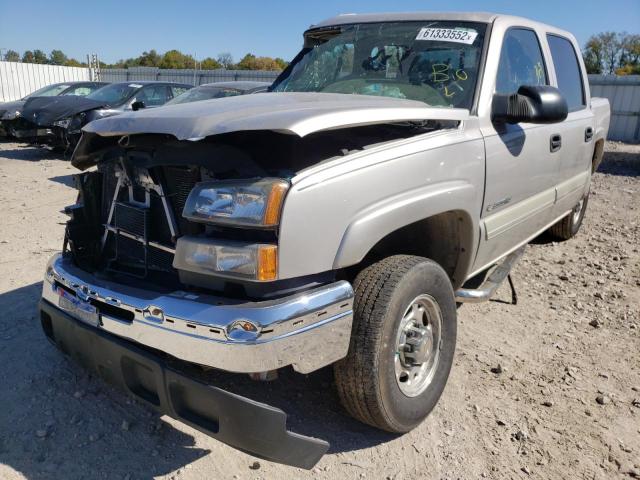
397 167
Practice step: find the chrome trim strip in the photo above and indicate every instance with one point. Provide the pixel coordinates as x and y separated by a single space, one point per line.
308 330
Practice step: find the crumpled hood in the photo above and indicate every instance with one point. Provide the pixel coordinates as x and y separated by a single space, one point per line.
43 111
293 113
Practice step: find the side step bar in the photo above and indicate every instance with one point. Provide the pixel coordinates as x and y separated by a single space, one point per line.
485 291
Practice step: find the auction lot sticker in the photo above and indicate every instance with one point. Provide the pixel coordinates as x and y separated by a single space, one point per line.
456 35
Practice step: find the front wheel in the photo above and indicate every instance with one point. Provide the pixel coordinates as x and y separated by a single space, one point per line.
402 343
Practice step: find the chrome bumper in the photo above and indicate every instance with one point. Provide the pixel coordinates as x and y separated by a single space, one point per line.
307 331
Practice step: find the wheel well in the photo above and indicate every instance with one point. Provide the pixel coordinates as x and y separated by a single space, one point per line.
445 238
598 152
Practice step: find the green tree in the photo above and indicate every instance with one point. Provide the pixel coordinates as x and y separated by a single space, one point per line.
281 63
39 57
150 59
226 60
11 56
57 57
210 64
630 49
72 62
246 63
27 57
604 49
251 62
176 59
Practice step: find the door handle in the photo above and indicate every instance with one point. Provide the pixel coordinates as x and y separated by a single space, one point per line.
588 134
555 143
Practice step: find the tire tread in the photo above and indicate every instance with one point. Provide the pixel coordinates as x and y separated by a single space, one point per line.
355 375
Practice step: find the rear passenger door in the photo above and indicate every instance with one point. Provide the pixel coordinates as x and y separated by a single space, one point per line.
520 168
574 168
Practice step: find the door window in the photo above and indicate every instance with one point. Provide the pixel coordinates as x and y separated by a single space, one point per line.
80 91
568 73
153 95
521 61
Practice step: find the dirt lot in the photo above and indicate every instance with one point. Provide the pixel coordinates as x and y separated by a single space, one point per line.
565 405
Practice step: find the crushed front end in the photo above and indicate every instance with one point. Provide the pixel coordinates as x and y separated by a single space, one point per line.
142 279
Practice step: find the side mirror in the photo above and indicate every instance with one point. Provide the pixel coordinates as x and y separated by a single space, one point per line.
532 104
135 106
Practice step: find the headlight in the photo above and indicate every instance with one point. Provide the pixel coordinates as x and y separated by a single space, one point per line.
64 123
206 256
237 202
10 115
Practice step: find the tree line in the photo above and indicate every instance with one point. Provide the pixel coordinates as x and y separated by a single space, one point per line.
173 59
611 52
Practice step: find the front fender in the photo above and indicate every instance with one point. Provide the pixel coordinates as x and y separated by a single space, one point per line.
335 213
375 222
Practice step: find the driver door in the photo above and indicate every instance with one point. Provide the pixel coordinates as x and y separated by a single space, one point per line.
520 166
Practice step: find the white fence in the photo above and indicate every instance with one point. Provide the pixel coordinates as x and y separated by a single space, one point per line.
20 79
624 96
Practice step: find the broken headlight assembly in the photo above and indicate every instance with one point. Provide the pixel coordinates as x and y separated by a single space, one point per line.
64 123
10 115
242 203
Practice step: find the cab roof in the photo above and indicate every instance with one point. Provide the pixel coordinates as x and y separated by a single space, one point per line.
481 17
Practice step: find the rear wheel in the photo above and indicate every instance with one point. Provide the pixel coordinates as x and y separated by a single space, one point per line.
569 225
402 343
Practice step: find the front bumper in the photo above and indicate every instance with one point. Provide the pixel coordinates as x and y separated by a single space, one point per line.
250 426
53 136
307 331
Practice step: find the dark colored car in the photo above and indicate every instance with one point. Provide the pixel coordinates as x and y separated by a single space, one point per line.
57 122
209 91
11 111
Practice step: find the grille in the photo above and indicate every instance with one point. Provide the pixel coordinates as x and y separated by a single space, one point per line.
140 256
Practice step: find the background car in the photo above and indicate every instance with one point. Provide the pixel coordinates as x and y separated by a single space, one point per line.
9 111
210 91
57 122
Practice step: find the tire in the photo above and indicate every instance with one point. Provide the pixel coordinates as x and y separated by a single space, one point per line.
569 225
367 381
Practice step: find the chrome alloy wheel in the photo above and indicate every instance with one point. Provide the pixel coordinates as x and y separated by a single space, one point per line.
418 345
577 210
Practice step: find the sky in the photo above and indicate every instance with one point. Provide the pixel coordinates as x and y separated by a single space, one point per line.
117 29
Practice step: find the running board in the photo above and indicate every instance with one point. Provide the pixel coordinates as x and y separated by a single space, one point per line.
485 291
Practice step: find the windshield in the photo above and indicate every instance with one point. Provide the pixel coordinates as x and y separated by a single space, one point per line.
49 91
204 93
115 94
435 62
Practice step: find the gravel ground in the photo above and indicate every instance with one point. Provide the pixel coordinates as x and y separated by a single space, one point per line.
547 388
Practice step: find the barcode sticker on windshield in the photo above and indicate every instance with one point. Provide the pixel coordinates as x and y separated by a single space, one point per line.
456 35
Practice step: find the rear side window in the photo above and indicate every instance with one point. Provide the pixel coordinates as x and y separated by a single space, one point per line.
521 61
177 90
568 73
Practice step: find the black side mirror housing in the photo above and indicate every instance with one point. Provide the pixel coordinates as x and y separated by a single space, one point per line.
135 106
532 104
